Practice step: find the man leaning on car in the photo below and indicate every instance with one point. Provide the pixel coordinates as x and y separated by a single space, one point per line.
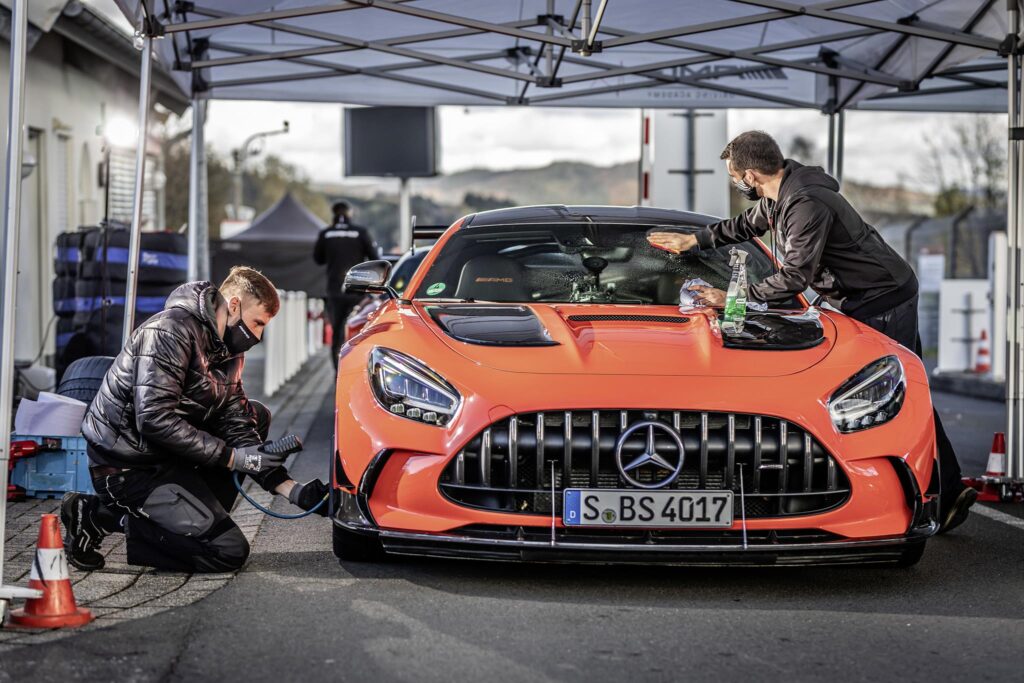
825 245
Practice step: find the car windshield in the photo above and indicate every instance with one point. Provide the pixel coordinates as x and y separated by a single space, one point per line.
577 263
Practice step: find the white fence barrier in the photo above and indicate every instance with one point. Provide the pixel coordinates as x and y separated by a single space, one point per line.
315 328
295 334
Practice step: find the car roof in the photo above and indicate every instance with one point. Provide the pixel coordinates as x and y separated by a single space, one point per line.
560 213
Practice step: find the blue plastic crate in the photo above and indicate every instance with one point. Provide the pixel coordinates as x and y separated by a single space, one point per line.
52 473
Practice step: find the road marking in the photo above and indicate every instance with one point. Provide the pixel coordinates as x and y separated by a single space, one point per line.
423 653
999 516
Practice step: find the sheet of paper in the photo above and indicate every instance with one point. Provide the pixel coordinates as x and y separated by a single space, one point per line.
50 415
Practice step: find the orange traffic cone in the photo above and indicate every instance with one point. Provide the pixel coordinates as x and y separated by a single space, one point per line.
997 456
57 607
983 363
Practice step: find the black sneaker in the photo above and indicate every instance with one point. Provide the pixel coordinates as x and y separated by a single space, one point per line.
82 537
958 511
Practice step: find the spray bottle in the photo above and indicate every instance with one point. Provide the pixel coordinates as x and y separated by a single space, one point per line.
736 298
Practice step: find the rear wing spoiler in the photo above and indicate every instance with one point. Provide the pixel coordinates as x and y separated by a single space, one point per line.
428 232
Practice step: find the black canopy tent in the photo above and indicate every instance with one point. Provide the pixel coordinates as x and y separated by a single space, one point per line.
829 55
279 243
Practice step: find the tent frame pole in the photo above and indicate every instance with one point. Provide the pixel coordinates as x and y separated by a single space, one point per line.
11 233
836 143
404 215
830 162
134 244
840 143
198 220
1015 452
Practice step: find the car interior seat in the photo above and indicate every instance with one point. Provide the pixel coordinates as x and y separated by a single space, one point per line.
492 278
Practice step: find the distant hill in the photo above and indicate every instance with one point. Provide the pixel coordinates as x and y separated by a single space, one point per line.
442 199
562 182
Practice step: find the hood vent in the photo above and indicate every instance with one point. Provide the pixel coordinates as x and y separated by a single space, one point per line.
491 325
675 319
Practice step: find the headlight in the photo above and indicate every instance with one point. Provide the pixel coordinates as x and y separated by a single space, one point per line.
871 397
404 386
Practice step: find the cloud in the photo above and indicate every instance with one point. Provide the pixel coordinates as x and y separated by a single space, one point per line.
470 137
881 147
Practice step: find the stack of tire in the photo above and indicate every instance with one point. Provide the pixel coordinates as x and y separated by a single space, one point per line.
99 284
67 257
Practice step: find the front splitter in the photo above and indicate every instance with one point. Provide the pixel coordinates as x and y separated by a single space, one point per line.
881 550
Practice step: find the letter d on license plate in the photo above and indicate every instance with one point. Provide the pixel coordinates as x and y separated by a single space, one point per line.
603 507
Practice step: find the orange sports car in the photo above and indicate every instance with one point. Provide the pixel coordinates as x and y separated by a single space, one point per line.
537 393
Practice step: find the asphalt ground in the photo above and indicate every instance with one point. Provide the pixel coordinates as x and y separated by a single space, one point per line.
295 614
970 423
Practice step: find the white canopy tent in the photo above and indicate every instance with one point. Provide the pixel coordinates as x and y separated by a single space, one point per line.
619 53
828 55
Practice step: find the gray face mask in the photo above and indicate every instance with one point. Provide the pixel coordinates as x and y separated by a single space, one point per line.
745 190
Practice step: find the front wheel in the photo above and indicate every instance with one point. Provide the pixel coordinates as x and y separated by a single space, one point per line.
352 547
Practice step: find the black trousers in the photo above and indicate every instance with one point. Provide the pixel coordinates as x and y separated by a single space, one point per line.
338 308
900 324
177 517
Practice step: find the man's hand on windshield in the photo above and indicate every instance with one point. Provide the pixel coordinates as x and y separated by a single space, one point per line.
708 296
674 242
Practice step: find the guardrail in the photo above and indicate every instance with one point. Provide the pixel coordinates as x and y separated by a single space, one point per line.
295 334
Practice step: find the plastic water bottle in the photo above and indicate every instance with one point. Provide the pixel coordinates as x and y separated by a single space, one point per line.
736 296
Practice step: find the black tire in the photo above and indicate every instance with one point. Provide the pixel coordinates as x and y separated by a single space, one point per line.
83 378
163 257
68 254
64 296
911 555
352 547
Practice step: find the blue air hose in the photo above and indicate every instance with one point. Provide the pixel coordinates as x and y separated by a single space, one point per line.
286 445
238 485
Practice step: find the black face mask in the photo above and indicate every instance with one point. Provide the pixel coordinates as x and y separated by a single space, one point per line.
746 190
239 338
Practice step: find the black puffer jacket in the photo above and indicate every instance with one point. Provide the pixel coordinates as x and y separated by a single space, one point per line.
174 393
823 244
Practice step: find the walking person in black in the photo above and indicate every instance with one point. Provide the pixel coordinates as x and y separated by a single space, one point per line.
825 245
339 246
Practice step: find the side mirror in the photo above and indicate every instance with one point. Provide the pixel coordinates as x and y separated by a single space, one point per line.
371 276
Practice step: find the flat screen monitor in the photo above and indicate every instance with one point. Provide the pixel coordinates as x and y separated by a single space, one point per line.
399 142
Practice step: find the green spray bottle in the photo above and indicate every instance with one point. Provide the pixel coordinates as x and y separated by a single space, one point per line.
736 297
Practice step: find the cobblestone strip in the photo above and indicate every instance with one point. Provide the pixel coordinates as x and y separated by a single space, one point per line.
121 592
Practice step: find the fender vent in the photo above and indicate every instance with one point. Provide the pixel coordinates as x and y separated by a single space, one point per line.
628 318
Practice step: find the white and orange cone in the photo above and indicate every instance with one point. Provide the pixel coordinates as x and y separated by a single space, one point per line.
57 608
983 362
997 457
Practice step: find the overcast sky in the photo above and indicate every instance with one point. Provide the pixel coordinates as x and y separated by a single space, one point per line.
880 147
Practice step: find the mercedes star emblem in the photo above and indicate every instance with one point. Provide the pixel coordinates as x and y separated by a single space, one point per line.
650 457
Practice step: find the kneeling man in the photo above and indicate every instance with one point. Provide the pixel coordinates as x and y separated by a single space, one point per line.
169 427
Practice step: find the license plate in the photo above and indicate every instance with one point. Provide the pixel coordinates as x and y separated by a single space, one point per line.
603 507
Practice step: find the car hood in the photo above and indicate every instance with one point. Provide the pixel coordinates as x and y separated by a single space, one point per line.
623 340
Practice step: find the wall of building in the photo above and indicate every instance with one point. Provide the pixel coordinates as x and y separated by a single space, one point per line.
70 95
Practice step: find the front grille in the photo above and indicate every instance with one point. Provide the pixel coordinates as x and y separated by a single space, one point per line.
595 318
516 464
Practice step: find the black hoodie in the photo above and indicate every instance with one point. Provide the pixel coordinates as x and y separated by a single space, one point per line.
823 244
174 393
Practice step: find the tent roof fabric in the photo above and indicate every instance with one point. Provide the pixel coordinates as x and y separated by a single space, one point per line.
929 55
286 221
